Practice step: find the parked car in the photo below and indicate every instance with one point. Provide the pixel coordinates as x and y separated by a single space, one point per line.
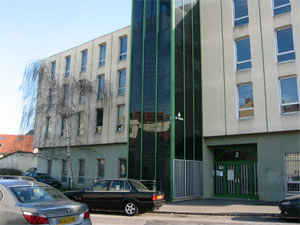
290 207
128 195
30 170
45 178
13 177
28 202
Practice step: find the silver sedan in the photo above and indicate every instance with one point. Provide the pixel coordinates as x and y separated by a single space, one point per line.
28 202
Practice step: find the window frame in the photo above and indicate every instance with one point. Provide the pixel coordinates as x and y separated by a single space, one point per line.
122 90
53 70
66 94
240 18
100 93
123 55
81 170
236 55
244 109
81 92
62 126
47 127
286 173
99 129
120 126
67 66
98 168
83 67
64 171
281 6
80 123
286 52
280 95
102 62
49 166
120 169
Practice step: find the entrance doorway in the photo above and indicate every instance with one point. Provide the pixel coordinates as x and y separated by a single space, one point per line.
235 172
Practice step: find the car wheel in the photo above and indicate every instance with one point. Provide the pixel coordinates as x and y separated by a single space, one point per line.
130 208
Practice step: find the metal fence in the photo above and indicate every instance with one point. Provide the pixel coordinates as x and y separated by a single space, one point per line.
187 179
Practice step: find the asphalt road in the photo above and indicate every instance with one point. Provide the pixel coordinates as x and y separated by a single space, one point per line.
175 219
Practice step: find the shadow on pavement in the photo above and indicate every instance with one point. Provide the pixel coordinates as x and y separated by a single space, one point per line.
221 202
265 220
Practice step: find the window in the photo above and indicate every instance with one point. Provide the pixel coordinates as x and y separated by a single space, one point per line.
285 45
100 87
47 127
63 126
102 55
64 171
99 122
123 48
289 95
121 118
122 168
66 94
49 166
80 123
84 60
246 104
53 70
122 82
243 54
68 66
281 6
119 185
240 12
81 171
51 98
81 91
101 168
101 186
292 168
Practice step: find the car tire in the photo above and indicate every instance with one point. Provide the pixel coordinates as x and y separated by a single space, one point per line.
130 208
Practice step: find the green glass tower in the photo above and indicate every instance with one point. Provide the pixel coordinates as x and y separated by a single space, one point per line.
165 116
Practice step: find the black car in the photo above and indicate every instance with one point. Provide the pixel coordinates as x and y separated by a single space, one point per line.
115 194
45 178
290 207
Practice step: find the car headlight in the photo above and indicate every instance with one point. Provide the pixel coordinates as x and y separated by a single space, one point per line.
286 203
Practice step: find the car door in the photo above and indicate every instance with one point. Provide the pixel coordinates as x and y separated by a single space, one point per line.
94 196
118 191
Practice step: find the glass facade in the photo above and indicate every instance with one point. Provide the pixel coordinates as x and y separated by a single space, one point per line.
151 144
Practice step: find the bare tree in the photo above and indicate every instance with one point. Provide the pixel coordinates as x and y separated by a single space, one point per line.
46 95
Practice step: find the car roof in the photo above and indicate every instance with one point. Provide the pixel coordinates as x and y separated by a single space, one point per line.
13 183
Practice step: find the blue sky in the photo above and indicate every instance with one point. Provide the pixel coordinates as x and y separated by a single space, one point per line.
36 29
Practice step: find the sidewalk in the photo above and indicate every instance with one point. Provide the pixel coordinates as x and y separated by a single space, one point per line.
222 207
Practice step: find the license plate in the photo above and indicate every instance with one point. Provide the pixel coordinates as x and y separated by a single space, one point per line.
66 220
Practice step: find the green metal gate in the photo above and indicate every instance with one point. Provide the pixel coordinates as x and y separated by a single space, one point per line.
236 179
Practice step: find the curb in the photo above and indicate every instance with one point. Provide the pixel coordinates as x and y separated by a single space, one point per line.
245 214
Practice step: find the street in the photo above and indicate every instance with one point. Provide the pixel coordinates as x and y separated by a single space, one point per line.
176 219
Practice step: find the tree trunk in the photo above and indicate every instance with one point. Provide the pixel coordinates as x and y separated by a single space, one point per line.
69 155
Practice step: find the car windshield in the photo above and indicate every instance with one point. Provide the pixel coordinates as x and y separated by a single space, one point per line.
32 194
138 185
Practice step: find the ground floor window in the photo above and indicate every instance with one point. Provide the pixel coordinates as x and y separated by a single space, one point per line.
64 171
101 168
292 164
49 166
81 171
122 168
